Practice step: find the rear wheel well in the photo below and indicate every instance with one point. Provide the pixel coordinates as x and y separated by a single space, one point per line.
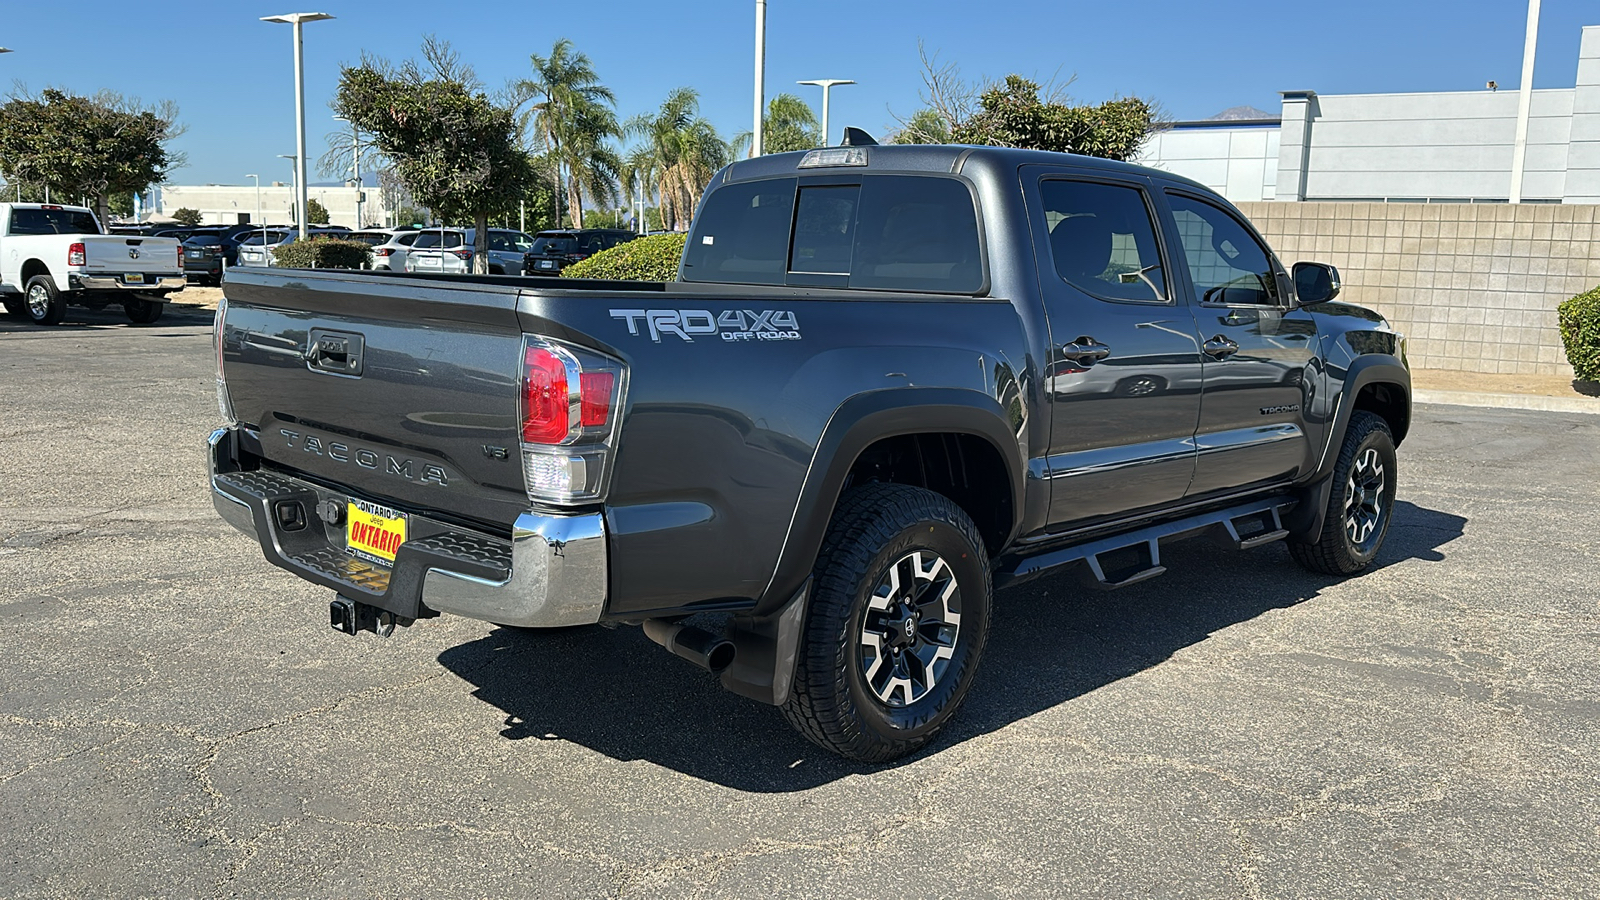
964 467
1388 401
33 268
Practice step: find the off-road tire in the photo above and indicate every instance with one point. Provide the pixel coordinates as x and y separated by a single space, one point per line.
48 309
1338 552
875 529
141 311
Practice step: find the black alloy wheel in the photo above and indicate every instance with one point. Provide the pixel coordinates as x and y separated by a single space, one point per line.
909 628
897 620
1360 503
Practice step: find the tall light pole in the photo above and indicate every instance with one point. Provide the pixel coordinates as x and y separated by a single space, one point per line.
761 73
355 162
297 205
1519 150
298 20
825 84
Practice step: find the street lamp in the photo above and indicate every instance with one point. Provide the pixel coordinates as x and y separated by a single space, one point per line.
298 20
355 143
761 73
297 204
825 84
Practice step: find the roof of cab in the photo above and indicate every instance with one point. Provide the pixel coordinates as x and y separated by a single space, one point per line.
940 158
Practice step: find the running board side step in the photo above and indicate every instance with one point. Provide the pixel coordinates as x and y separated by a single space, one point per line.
1135 556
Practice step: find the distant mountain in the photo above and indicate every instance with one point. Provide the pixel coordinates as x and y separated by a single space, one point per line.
1235 113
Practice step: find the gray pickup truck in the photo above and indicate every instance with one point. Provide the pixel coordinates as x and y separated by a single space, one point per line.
888 381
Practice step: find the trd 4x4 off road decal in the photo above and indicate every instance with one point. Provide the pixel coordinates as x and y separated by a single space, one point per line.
731 324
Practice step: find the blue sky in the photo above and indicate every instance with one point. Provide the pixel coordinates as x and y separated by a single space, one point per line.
232 75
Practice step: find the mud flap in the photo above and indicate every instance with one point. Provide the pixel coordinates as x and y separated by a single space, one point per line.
767 647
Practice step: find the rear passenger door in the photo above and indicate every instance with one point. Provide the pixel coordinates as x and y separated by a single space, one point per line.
1124 373
1257 346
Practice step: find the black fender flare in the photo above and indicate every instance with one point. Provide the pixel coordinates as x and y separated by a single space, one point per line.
1304 522
858 423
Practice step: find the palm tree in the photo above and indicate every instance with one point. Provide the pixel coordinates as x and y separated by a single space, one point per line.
788 125
572 114
680 152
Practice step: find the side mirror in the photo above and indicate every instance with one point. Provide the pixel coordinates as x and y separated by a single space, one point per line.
1315 282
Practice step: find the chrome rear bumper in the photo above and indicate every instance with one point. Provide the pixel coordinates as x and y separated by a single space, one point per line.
551 573
114 283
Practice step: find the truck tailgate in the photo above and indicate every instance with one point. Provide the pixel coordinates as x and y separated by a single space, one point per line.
401 393
110 253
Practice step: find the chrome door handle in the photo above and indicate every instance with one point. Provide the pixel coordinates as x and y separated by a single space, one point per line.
1085 351
1220 347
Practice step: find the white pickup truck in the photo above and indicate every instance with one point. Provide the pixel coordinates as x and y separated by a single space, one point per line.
53 255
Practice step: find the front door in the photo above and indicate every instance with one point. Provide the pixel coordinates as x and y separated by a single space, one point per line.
1124 373
1257 346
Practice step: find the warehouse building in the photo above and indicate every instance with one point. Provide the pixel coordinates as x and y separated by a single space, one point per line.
1449 147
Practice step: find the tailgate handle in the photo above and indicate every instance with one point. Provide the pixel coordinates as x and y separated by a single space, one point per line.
335 352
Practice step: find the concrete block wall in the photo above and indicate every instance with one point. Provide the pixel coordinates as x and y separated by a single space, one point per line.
1474 286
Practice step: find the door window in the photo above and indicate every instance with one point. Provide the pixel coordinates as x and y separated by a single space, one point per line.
1226 264
1103 241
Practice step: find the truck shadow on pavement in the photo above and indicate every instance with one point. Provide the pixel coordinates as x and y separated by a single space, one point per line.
1052 640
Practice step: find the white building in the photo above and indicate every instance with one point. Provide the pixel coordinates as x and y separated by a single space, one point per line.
227 204
1433 147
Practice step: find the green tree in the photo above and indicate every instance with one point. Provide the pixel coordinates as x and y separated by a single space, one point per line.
788 125
409 215
925 126
679 151
90 147
1012 115
453 148
316 213
120 205
187 216
573 115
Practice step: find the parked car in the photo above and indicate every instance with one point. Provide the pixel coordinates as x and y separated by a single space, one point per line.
451 251
553 251
205 256
391 254
52 256
257 249
832 427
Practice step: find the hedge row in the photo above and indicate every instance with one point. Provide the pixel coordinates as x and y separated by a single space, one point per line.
323 253
652 258
1579 319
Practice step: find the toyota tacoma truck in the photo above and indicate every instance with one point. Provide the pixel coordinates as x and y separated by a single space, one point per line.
52 256
888 381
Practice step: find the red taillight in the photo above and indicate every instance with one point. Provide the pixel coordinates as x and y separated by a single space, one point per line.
464 254
384 251
595 391
75 255
546 416
180 256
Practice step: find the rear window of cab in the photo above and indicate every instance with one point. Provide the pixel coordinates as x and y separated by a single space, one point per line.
879 232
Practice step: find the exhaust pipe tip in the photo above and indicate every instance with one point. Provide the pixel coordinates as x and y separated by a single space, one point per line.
711 652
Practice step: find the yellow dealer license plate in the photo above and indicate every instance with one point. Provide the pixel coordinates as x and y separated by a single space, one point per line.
375 532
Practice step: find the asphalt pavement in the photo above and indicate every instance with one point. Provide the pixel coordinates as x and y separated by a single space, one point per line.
177 720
